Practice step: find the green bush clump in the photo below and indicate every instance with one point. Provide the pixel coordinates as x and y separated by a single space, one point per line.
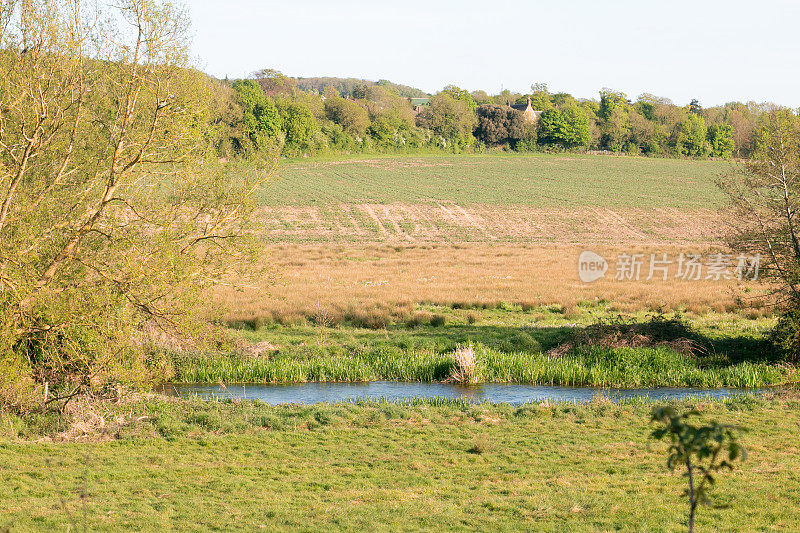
786 335
521 342
438 321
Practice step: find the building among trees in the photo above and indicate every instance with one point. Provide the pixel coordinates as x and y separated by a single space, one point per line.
419 104
531 115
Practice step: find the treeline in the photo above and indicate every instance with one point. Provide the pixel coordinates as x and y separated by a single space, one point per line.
317 115
354 87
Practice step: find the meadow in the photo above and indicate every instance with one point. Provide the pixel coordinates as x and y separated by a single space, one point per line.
380 269
158 464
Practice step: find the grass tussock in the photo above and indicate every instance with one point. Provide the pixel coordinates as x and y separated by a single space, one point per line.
463 370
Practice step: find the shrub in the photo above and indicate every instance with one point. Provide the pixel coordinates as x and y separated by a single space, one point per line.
438 321
786 335
522 342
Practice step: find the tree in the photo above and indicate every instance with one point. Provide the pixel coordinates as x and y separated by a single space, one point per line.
481 97
647 135
460 94
379 100
614 120
260 116
691 136
274 82
609 101
114 212
568 128
540 97
348 114
450 118
764 196
701 450
298 126
743 123
499 124
720 139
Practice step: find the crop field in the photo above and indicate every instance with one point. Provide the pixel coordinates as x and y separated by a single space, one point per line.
560 181
494 199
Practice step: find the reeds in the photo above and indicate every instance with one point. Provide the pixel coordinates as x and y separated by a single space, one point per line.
463 370
583 366
371 286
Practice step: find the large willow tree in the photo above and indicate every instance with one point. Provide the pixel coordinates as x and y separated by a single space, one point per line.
114 212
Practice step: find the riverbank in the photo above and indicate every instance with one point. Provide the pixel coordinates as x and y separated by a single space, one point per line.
594 367
542 345
191 465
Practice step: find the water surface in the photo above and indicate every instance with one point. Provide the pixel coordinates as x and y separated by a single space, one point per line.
514 394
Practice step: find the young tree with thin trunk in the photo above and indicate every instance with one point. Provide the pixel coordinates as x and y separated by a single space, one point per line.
702 451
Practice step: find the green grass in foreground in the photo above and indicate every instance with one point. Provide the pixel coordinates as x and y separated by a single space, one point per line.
511 346
539 180
195 466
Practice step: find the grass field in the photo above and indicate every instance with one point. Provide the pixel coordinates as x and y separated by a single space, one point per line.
195 466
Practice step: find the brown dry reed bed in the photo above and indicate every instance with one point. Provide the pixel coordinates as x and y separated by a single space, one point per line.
376 285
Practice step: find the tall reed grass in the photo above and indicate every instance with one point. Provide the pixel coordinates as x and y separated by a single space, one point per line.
583 366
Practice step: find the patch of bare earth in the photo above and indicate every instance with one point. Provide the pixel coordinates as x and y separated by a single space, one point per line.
382 164
448 222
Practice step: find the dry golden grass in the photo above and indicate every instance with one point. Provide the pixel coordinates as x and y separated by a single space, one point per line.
367 240
391 279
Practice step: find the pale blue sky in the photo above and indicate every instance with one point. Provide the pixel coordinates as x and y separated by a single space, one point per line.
716 51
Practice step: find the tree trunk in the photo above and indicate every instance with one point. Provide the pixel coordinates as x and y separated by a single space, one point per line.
692 498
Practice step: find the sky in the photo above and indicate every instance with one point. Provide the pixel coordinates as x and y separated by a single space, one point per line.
714 51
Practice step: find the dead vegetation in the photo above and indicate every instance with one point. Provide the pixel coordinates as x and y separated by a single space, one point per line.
463 371
658 331
372 286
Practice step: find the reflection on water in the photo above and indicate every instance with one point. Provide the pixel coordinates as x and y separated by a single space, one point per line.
514 394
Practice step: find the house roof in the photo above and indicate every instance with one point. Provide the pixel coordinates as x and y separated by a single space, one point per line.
420 101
